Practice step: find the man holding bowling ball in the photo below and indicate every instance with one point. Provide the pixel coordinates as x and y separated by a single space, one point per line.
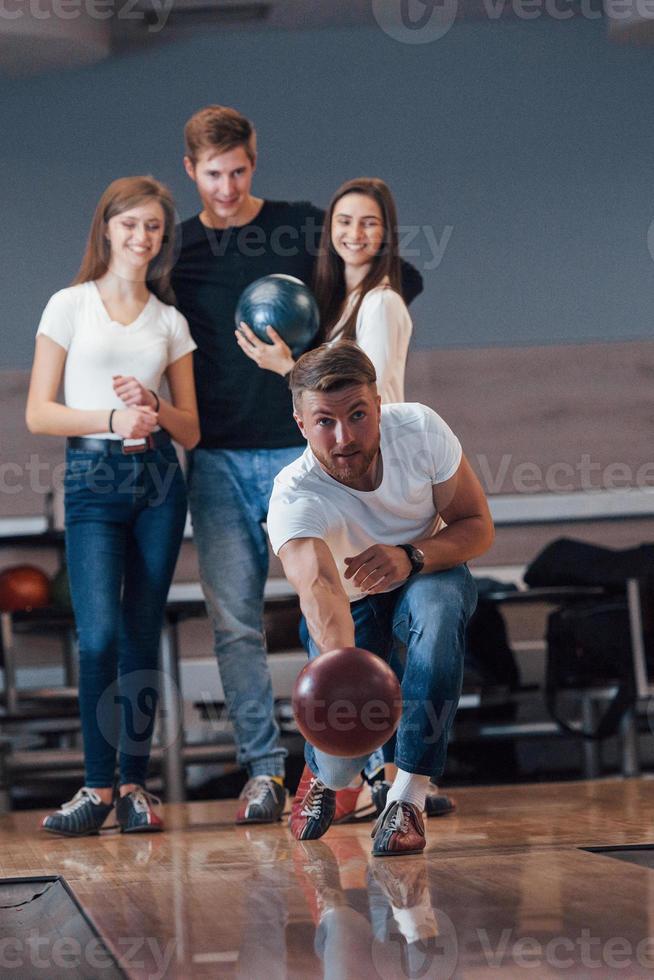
374 524
246 420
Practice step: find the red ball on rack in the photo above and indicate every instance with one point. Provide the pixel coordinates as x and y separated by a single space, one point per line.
23 587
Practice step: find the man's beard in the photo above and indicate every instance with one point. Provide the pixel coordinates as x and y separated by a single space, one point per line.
348 472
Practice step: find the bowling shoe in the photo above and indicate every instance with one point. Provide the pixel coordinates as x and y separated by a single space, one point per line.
436 804
135 814
313 808
83 815
399 830
262 801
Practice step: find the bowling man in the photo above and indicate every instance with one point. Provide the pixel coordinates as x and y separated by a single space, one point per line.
374 524
247 430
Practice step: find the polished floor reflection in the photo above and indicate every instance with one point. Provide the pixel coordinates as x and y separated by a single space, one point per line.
504 889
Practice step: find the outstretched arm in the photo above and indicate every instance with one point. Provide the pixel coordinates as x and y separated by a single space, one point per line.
311 570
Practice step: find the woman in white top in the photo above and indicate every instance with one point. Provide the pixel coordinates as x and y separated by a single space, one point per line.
357 286
113 336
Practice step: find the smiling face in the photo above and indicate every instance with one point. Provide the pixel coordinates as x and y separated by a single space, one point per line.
342 428
135 237
223 180
357 229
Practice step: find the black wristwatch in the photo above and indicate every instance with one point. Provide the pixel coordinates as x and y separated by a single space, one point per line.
415 556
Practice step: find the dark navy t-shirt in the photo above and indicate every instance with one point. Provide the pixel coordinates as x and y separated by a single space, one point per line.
241 406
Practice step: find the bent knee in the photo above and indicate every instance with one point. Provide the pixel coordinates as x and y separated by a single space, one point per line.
337 773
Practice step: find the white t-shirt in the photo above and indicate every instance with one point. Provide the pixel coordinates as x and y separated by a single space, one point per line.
418 450
99 347
383 332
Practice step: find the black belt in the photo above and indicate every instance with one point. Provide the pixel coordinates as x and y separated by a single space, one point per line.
154 441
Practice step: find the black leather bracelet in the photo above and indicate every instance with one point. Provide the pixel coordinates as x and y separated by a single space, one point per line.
156 398
111 419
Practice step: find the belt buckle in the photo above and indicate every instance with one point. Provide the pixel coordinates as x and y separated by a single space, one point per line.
137 445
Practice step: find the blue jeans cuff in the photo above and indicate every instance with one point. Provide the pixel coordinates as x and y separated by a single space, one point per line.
271 765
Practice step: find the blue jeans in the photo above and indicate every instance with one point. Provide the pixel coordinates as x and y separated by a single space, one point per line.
428 615
229 493
125 519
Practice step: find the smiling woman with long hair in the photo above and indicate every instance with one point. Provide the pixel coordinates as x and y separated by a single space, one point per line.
113 336
357 286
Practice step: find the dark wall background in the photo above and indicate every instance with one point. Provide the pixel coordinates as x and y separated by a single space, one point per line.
531 140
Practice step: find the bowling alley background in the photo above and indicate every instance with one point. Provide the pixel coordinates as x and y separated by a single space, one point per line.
519 154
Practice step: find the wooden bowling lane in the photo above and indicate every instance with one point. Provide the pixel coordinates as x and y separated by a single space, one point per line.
504 889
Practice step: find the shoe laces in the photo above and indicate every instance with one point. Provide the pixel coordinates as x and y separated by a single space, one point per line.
312 805
79 800
400 818
143 800
395 818
256 789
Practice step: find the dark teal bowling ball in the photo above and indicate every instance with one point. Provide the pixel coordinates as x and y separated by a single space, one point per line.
284 303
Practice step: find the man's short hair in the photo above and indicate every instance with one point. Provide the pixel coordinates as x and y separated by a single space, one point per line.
329 368
219 128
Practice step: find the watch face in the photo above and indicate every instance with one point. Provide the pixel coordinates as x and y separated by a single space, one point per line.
420 555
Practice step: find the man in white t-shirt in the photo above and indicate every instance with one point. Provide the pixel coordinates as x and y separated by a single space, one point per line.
373 525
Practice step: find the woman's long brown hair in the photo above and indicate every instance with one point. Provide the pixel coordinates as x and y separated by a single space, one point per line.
329 278
120 196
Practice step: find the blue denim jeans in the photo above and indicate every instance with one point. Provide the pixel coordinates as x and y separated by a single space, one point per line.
229 493
428 615
125 519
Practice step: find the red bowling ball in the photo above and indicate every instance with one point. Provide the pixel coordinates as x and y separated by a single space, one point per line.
23 587
347 702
